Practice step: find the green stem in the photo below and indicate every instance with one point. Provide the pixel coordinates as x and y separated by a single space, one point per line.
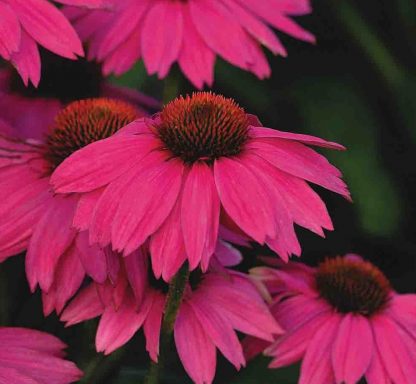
173 302
375 49
99 368
172 86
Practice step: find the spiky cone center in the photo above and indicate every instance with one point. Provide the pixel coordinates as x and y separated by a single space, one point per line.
83 122
353 286
203 126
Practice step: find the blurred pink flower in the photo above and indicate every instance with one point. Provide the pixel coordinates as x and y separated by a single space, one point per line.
171 177
31 115
189 32
32 217
215 306
27 23
33 357
343 320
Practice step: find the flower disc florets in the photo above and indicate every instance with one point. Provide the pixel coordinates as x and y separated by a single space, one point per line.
203 126
84 122
352 286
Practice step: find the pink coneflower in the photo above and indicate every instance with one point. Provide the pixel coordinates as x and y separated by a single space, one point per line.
33 218
33 357
27 23
191 33
344 321
215 306
172 179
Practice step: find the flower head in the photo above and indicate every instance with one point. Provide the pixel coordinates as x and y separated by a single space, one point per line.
343 320
173 178
30 356
33 218
191 33
29 23
214 307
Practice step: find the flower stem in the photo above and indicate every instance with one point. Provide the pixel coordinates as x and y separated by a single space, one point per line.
172 86
377 52
173 302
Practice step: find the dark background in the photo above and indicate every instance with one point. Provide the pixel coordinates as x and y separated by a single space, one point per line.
357 86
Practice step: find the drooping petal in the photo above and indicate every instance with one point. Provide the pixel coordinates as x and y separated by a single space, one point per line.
219 330
48 26
118 326
353 349
146 205
200 215
79 174
316 366
195 348
394 354
249 210
51 237
152 325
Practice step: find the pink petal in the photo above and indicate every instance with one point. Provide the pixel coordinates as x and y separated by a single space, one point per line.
69 276
259 132
117 327
137 270
51 238
291 347
302 162
9 31
85 209
124 24
145 206
250 210
48 26
395 356
219 330
238 300
86 305
215 24
152 325
162 36
167 246
353 349
316 366
79 174
195 59
27 60
376 373
200 215
195 348
92 258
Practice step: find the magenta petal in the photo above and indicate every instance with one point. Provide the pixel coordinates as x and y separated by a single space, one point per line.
167 248
79 174
291 347
395 356
92 257
376 373
51 238
27 60
137 269
152 325
145 206
200 215
353 349
245 198
117 327
86 305
10 32
316 366
262 132
195 348
162 36
85 209
219 330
